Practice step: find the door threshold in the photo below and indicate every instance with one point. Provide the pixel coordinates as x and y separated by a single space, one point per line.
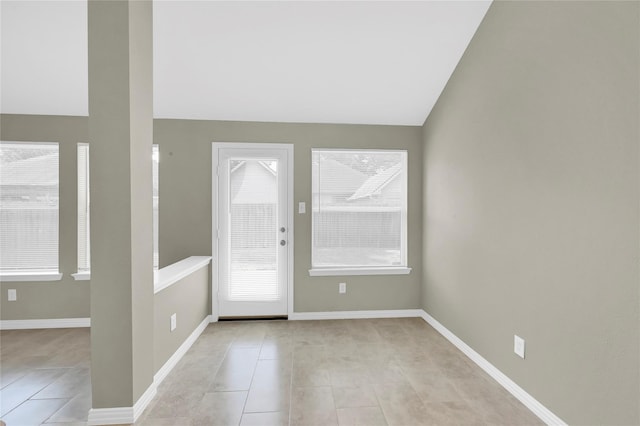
255 318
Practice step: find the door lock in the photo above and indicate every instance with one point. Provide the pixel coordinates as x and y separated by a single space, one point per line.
283 242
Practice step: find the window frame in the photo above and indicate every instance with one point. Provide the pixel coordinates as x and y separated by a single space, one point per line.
43 274
84 271
401 269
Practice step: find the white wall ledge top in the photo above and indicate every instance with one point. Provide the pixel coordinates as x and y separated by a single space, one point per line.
173 273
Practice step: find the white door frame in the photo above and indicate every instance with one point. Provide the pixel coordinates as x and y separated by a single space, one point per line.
215 148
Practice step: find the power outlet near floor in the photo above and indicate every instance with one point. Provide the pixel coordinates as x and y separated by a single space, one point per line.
342 288
518 346
174 322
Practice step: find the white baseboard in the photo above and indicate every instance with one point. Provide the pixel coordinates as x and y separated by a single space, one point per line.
530 402
401 313
128 415
179 353
110 416
45 323
122 415
144 401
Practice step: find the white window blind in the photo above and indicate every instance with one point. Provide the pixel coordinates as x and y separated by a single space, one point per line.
156 192
84 243
253 222
359 208
28 207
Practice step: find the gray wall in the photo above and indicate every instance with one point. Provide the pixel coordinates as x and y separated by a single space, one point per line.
185 202
531 203
185 208
189 300
53 299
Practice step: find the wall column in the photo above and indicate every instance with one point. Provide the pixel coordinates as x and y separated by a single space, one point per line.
120 137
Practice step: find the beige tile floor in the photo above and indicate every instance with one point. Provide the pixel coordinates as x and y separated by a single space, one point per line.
346 372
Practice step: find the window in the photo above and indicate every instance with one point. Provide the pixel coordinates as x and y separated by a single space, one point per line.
156 193
359 209
84 241
84 246
29 210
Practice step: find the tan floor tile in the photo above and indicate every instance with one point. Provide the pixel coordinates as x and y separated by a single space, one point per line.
355 396
20 390
313 406
236 371
400 404
194 378
72 382
356 375
174 421
262 400
277 349
361 416
434 387
477 386
309 376
272 373
504 412
76 410
265 419
33 412
174 404
451 414
219 408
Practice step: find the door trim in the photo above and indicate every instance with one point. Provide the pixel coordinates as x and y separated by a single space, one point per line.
215 147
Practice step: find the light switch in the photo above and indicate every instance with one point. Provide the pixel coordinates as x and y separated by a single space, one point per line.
518 346
174 322
302 207
12 295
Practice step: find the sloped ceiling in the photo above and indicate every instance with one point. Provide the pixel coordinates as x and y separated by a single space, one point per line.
364 62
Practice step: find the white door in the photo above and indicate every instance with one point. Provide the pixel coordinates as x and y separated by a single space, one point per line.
253 237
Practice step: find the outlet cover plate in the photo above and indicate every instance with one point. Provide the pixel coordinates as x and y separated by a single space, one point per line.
174 322
342 288
12 295
518 346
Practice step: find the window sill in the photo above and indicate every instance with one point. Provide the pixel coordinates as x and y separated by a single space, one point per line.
81 276
30 276
325 272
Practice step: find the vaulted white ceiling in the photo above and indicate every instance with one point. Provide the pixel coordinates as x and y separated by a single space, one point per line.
366 62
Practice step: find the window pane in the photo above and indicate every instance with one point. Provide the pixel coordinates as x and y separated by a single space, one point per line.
359 208
28 206
156 193
84 248
253 213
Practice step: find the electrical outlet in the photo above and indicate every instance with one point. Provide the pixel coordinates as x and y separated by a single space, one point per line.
518 346
342 288
12 296
174 322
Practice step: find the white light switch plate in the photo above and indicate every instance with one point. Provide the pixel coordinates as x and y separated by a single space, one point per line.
518 346
12 296
174 322
302 207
